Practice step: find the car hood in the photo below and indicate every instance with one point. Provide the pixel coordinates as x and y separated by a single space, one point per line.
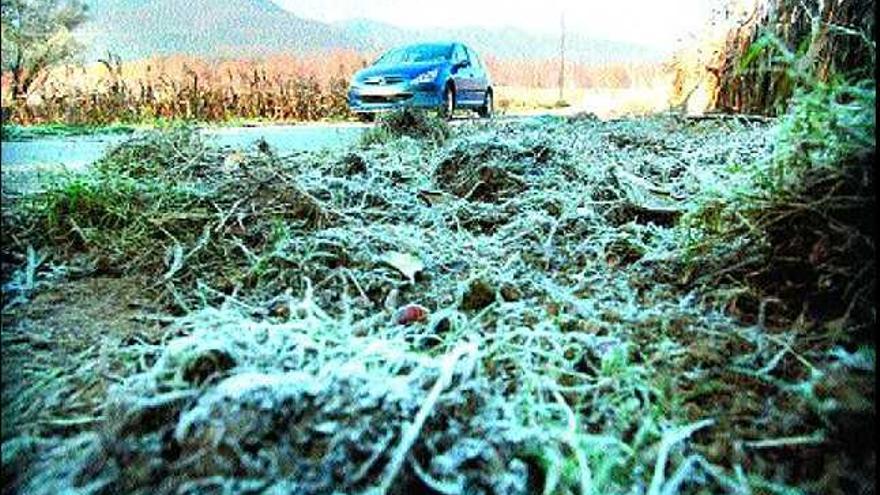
407 71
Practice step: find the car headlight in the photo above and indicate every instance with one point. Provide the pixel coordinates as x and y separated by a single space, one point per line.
426 77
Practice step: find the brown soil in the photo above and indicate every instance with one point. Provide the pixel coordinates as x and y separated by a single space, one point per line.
65 347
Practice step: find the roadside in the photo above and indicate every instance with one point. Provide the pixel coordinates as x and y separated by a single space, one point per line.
76 151
61 148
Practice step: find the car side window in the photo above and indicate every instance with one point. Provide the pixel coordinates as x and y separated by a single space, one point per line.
475 60
459 54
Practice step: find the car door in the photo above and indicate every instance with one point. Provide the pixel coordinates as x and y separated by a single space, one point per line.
480 77
462 75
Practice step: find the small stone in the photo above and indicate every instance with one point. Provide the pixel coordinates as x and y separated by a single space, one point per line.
280 309
511 293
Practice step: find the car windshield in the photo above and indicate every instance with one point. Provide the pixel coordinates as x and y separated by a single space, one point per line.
416 53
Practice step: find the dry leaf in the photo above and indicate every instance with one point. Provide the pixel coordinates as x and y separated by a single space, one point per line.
406 264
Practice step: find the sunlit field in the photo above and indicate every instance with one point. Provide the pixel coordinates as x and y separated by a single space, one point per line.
605 103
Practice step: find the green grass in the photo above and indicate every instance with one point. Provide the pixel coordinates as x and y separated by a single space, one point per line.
15 132
12 132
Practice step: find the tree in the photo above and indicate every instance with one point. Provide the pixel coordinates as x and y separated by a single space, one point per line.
36 35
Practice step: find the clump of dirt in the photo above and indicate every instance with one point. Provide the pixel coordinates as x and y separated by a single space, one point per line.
485 182
65 347
478 295
490 171
296 409
354 164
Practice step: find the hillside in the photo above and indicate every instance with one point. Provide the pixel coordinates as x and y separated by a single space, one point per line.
505 42
244 28
234 28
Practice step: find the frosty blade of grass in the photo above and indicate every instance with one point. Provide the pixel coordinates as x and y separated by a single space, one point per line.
412 430
669 440
816 438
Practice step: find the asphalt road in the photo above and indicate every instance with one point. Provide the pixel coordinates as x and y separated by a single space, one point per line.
75 152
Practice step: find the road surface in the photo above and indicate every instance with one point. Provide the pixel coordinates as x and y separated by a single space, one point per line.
74 152
77 152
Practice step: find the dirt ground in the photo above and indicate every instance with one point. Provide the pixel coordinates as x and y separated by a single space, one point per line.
47 342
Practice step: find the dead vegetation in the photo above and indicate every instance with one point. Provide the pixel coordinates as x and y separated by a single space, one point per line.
174 88
544 306
278 88
766 57
407 122
757 54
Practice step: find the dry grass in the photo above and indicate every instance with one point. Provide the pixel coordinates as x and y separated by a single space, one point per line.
756 54
287 88
281 88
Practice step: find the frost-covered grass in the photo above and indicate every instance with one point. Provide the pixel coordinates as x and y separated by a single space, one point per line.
585 326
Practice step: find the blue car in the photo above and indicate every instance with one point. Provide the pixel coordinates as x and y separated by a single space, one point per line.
442 76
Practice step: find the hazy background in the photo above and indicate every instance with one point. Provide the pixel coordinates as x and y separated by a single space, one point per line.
595 30
658 23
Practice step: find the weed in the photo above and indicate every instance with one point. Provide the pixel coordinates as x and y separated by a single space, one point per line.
407 122
24 133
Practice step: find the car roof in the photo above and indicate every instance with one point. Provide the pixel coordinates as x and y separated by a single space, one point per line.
450 44
422 43
433 43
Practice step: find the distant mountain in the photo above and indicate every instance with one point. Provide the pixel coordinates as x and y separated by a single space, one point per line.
227 28
501 42
246 28
374 35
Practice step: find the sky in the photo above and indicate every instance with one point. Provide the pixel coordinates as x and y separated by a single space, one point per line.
656 22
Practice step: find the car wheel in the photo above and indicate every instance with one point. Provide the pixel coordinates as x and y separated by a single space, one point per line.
448 102
488 109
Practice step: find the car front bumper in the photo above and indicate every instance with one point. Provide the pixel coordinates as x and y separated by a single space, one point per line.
364 98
